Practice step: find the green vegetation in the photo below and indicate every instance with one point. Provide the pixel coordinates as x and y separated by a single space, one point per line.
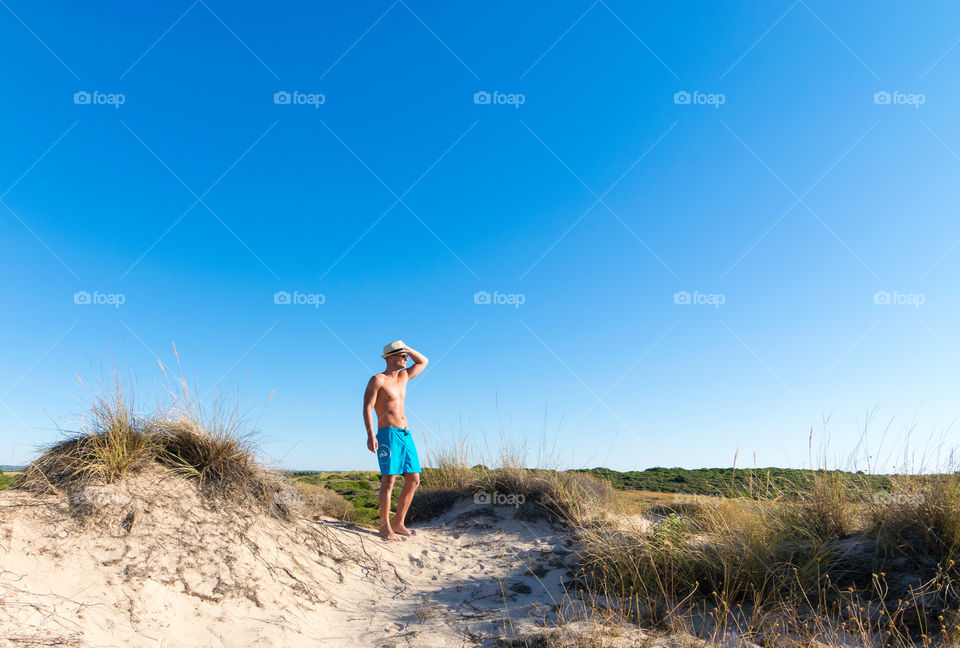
8 480
560 494
756 483
359 488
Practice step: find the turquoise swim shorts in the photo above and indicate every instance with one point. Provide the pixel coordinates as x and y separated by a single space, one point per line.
396 452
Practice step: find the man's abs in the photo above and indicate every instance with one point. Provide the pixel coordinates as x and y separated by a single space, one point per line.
391 415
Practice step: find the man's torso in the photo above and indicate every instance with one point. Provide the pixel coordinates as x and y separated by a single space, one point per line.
389 400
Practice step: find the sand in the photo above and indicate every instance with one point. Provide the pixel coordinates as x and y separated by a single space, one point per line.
148 562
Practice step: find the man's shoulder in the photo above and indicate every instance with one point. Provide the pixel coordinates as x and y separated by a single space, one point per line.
376 378
383 376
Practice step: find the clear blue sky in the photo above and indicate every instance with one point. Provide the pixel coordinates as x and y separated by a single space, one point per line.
586 188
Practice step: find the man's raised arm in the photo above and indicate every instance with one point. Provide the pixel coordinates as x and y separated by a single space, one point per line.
420 362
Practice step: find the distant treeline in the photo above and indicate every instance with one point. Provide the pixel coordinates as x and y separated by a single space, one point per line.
759 483
730 482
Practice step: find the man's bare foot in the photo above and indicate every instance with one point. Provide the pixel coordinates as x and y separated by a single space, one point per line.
387 534
402 530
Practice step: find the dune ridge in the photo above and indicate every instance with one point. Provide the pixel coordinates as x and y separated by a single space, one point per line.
149 561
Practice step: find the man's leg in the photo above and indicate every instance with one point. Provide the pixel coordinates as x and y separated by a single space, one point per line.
410 483
386 490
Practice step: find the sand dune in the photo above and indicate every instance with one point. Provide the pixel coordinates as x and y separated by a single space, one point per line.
148 562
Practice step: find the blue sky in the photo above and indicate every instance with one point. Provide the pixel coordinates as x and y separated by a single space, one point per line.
602 163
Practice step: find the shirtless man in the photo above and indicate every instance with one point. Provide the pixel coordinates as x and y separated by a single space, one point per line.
393 443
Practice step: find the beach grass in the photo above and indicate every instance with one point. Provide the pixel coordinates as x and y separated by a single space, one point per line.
838 562
216 448
828 557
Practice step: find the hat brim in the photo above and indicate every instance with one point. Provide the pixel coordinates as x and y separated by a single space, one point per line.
392 353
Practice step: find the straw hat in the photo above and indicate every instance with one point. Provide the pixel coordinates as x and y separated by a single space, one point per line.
394 348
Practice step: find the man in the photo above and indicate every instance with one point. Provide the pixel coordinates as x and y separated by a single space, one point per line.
393 443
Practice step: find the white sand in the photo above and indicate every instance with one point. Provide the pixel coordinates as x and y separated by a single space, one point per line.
169 570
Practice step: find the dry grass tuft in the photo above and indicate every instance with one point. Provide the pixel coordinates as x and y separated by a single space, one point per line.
318 500
920 515
568 497
116 443
220 455
219 452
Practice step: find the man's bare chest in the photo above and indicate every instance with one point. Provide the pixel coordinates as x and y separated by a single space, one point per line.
393 392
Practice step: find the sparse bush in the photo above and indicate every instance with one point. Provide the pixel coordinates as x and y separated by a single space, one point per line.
430 502
117 442
8 481
920 515
320 500
825 504
572 497
449 468
219 452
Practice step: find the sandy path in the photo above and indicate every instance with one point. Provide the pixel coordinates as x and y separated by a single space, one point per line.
477 572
